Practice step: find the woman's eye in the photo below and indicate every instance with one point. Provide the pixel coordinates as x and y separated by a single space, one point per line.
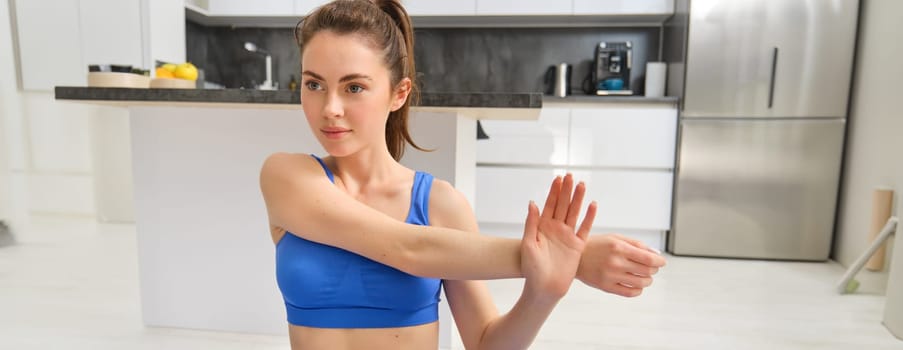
312 85
354 89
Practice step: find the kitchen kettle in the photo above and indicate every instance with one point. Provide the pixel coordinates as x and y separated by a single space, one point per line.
558 80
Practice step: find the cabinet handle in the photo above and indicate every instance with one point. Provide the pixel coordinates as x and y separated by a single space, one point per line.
774 68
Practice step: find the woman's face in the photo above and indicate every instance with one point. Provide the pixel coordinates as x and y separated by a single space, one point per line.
346 93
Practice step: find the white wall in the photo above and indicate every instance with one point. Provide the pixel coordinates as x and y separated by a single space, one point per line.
60 172
875 128
69 158
12 145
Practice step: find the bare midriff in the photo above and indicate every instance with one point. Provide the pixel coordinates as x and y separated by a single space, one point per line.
420 337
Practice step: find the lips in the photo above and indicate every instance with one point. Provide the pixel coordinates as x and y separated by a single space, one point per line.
334 132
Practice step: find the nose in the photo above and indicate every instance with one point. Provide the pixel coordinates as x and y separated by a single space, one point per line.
333 107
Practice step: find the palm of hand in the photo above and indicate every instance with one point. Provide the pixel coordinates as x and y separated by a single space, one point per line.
550 250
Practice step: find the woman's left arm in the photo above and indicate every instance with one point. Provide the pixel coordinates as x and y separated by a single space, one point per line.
477 319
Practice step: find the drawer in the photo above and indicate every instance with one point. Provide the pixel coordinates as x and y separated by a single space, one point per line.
629 137
534 142
627 199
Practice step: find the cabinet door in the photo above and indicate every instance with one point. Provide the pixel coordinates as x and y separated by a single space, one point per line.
502 194
111 32
623 7
638 200
525 7
304 7
440 7
625 137
527 142
49 44
815 42
627 199
251 8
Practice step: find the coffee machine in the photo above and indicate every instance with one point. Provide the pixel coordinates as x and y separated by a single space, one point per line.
611 68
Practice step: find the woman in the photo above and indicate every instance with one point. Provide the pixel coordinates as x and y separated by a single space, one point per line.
353 230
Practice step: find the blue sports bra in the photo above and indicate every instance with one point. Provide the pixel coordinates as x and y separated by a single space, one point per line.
329 287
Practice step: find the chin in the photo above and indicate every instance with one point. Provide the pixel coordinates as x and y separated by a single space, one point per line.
337 150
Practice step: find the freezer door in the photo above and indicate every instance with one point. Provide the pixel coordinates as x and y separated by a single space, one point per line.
757 188
769 58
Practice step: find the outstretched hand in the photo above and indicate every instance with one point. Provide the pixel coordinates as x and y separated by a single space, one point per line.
552 246
618 265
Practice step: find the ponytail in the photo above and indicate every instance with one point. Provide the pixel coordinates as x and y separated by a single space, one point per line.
387 26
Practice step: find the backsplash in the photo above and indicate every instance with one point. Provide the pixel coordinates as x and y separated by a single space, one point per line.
448 59
220 52
516 59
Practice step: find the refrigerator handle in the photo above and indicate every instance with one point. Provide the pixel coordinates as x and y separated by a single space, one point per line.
774 68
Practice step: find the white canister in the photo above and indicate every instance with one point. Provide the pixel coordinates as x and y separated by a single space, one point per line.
655 79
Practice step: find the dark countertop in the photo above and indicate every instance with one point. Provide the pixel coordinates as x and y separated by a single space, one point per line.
286 97
609 99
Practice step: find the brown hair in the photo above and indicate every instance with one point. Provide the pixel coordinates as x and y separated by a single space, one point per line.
387 27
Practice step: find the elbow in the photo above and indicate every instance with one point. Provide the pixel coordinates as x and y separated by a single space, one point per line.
413 258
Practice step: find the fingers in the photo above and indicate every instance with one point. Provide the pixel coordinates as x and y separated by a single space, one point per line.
587 224
636 281
643 254
531 226
576 203
548 211
564 198
645 257
624 291
640 269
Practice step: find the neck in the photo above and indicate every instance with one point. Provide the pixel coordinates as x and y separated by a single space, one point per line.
368 167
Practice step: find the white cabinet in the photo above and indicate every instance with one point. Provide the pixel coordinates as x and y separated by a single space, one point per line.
624 152
440 7
49 44
629 136
502 193
57 42
623 7
108 38
627 199
523 7
527 142
251 8
303 7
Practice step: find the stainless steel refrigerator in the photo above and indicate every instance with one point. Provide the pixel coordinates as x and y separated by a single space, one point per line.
764 86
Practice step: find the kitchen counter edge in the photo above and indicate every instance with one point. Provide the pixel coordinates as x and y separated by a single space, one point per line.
286 98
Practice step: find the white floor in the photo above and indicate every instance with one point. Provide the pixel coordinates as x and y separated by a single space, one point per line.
72 284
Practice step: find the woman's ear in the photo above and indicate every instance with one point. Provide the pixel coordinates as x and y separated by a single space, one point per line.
400 94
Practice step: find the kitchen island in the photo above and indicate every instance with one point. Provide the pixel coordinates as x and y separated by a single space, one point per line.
205 256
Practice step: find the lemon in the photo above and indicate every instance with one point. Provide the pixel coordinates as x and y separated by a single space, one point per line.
171 67
164 73
186 71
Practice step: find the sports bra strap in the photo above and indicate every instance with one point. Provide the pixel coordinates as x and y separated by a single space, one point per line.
325 168
420 197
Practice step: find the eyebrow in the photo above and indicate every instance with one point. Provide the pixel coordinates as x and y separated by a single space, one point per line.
348 77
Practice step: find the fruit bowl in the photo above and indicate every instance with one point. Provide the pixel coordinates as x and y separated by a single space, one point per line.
119 80
172 83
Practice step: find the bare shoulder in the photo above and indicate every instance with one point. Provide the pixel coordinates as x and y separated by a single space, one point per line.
283 176
285 168
280 162
449 208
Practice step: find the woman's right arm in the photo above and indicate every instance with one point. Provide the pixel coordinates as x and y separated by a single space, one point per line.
301 200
